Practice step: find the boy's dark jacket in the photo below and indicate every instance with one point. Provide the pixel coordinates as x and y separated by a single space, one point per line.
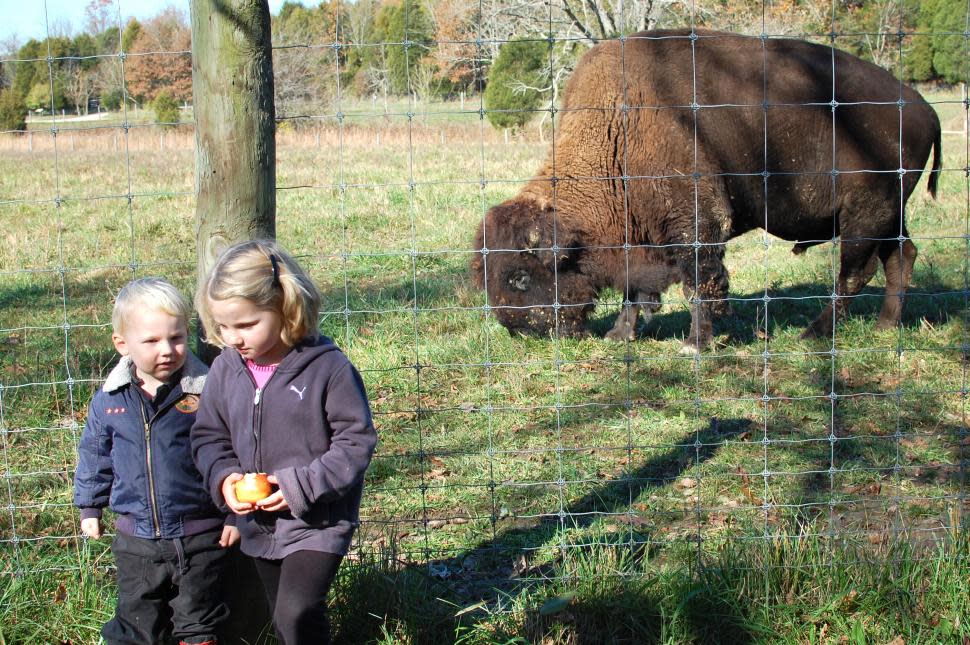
113 459
311 427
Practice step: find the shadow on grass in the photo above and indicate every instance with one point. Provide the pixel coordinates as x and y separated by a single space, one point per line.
930 298
521 556
797 306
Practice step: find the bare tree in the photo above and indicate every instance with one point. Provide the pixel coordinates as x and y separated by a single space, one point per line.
8 49
882 43
456 55
423 82
600 19
360 18
378 75
59 27
109 76
99 15
78 87
302 69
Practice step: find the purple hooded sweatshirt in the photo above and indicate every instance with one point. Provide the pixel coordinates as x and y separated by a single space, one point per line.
310 425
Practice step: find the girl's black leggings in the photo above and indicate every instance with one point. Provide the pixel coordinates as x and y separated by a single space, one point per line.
297 588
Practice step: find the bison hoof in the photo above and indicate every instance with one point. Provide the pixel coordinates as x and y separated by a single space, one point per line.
883 325
621 335
689 350
816 331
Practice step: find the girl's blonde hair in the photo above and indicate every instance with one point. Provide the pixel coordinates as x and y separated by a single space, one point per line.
266 275
153 294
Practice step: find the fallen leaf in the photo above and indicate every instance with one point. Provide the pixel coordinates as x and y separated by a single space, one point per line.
686 482
557 604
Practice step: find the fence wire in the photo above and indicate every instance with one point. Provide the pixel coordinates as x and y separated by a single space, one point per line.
493 445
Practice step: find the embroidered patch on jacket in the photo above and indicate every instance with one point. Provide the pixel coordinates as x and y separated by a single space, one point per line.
114 410
188 405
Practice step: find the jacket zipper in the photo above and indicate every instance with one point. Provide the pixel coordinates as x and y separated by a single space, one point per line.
152 502
256 452
257 417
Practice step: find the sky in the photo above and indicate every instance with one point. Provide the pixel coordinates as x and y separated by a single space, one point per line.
26 18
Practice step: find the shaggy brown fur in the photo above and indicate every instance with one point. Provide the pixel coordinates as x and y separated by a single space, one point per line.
668 146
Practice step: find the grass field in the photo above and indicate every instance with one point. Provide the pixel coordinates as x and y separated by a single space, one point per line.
770 490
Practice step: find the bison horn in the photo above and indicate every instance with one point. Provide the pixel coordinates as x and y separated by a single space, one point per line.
520 281
533 239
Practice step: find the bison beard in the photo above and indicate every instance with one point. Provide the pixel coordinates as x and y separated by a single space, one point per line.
671 143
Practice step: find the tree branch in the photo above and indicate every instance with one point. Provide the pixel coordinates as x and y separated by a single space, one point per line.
577 23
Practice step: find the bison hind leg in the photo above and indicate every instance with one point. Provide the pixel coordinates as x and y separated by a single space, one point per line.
897 262
859 262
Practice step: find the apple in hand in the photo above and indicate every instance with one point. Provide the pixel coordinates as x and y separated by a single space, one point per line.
252 488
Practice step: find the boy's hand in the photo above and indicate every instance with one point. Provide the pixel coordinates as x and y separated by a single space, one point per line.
230 535
91 527
229 494
275 502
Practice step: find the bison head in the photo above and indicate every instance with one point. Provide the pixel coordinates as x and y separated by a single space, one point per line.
527 261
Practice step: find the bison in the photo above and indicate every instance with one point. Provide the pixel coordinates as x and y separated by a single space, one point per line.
670 143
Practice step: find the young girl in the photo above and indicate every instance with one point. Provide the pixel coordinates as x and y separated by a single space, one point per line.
282 399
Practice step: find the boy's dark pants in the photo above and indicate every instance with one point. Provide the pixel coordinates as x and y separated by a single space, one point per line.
167 589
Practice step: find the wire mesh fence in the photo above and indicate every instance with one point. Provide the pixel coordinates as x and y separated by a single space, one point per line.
500 451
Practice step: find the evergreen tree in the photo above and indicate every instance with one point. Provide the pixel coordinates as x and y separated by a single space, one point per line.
949 42
13 111
166 108
515 81
25 71
409 34
918 60
130 34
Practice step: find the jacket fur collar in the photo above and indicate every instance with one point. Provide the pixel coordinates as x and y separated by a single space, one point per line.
193 375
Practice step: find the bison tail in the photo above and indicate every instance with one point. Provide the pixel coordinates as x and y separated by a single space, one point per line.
937 163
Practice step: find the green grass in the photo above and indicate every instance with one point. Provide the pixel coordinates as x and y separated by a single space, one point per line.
521 470
800 589
796 590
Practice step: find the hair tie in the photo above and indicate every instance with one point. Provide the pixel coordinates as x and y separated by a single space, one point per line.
276 269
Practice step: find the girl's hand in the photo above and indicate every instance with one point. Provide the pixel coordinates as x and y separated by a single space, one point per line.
91 527
230 535
229 494
275 502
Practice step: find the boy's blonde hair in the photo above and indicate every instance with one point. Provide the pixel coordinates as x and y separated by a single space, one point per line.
266 275
154 294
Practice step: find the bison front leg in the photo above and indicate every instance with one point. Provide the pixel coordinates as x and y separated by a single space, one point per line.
625 327
706 283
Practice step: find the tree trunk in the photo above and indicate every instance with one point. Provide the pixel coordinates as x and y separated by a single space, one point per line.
235 145
235 182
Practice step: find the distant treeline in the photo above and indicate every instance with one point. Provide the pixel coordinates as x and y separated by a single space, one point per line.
518 53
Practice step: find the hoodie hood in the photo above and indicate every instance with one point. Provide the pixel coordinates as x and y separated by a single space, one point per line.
293 363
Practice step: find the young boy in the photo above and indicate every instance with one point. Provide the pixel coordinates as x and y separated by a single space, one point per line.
134 456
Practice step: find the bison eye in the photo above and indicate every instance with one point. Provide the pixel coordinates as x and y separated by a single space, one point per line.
520 281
